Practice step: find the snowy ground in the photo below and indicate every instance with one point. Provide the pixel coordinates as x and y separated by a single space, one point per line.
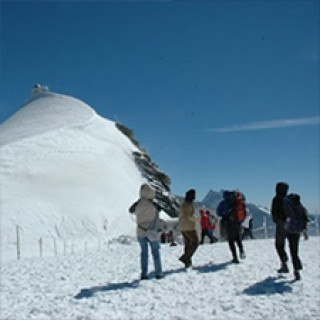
104 285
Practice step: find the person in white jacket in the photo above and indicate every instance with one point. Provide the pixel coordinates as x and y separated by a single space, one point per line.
247 226
147 214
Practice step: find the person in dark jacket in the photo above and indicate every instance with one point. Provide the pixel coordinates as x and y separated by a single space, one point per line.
279 218
296 217
226 209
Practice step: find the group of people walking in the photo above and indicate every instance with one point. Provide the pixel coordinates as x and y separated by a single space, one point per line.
287 212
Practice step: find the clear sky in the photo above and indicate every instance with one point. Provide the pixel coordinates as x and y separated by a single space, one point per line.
222 94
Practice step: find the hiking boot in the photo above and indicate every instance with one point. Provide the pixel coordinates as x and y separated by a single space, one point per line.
187 264
144 277
182 260
242 255
283 269
235 260
159 277
297 276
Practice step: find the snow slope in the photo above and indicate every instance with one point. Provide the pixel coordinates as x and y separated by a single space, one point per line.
104 285
66 173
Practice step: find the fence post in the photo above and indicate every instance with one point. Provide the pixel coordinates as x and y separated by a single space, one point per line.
41 247
265 227
218 229
55 246
318 225
18 242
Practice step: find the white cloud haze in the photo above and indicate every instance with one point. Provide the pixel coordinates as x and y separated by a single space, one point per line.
273 124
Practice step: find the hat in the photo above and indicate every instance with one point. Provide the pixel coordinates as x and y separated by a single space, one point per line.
190 195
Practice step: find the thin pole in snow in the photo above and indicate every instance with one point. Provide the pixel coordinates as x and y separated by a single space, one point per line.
55 246
41 247
265 227
18 242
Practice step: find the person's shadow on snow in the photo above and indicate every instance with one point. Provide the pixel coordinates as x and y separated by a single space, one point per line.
90 292
210 267
268 286
86 293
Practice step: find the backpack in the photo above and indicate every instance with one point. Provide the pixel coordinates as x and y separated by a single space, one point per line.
238 208
296 213
159 225
241 207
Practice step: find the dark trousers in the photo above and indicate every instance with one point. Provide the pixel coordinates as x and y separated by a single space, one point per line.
234 237
247 233
205 232
293 239
280 242
191 243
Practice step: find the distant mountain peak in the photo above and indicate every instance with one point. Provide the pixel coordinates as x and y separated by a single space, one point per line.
212 198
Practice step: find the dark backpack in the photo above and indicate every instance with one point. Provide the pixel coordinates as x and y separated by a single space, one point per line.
296 213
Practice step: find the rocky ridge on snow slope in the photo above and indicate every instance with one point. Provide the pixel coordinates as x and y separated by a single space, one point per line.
150 171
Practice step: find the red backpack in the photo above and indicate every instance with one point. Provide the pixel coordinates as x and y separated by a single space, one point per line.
240 206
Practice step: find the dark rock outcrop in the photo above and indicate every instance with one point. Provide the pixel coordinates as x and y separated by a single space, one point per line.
149 170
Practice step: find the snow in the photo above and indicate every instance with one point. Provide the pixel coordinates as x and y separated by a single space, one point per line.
67 180
104 285
264 209
66 173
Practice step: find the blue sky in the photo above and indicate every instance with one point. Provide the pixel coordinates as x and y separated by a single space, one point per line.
222 94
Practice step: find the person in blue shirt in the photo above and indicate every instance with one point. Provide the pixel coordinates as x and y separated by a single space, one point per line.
226 210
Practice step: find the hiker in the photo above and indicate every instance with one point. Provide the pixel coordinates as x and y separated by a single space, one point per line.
147 214
296 217
247 225
187 226
204 223
279 218
172 238
229 209
212 225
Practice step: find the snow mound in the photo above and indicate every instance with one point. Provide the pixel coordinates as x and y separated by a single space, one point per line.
66 173
45 111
